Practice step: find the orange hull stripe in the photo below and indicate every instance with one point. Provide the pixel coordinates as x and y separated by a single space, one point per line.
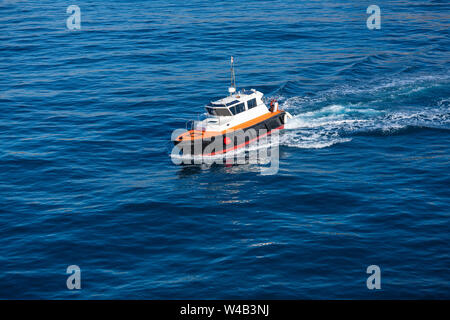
197 134
243 144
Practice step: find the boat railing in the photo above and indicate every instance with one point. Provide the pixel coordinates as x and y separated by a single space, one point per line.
190 125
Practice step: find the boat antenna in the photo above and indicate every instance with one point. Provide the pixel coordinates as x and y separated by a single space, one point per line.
232 88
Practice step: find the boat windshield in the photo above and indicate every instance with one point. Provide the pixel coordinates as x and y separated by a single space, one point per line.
220 112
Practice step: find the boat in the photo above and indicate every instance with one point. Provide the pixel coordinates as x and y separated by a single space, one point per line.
232 122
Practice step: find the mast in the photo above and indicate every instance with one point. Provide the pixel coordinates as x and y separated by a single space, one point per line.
232 88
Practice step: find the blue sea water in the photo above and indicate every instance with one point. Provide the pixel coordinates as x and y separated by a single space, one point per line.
86 176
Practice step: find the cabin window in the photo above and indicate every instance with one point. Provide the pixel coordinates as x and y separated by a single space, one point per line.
237 108
251 103
221 112
240 108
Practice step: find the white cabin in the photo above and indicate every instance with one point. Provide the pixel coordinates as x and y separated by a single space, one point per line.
233 110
